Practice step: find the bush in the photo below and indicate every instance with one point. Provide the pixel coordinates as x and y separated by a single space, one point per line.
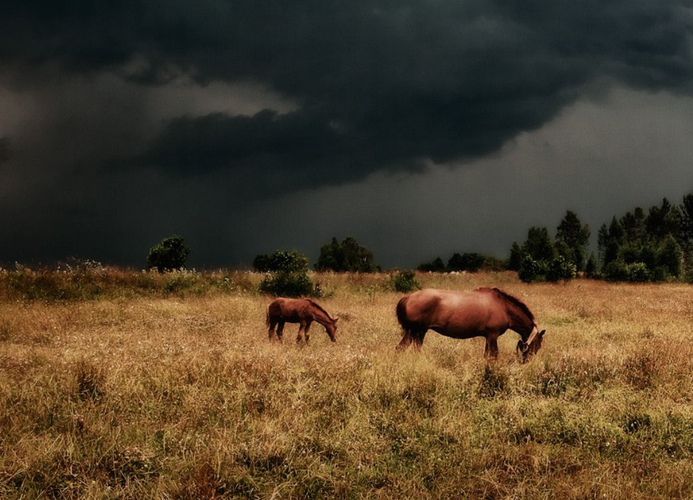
617 270
561 270
405 282
281 261
638 272
169 254
529 270
288 284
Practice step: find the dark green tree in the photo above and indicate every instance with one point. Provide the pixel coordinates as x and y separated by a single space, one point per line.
686 229
515 260
538 245
613 241
435 266
349 256
169 254
572 237
281 261
470 261
357 258
591 268
633 225
602 240
670 256
663 220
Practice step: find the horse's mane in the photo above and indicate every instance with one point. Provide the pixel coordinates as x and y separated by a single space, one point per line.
319 307
509 298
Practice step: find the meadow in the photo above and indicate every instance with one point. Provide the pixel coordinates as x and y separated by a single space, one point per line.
134 385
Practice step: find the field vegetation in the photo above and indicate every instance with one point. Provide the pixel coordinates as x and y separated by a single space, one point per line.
123 384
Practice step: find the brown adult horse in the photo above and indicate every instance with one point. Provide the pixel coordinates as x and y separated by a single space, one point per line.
484 312
303 311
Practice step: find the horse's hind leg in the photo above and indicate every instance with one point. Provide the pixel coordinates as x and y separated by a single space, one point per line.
491 349
418 338
280 331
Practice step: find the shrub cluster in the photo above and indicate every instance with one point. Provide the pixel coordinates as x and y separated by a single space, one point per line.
81 282
404 282
287 274
558 269
287 284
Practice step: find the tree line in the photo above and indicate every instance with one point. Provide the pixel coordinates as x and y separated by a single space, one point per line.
640 246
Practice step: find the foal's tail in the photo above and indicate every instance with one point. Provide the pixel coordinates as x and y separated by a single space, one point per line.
267 318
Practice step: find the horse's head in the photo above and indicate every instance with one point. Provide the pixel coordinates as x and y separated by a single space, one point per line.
332 329
532 345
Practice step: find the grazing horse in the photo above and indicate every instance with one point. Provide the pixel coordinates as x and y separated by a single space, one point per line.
303 311
484 312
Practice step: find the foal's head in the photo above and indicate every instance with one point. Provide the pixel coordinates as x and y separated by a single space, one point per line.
331 329
532 345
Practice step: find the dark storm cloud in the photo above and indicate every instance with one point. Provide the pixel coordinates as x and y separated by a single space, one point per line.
378 84
123 121
4 149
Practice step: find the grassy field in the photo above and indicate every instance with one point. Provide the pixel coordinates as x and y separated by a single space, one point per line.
175 392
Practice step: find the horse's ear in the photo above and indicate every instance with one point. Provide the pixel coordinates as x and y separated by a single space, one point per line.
541 333
335 320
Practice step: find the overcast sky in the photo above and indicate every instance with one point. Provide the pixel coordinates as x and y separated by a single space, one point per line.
420 127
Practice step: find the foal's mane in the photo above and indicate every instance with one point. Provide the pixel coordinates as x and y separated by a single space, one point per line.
320 308
510 298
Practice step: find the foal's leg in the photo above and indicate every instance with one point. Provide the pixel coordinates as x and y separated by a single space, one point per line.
301 327
270 331
280 331
305 331
491 350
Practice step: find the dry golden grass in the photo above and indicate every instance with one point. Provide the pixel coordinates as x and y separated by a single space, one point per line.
150 397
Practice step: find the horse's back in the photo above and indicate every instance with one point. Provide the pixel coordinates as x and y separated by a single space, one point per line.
291 310
450 312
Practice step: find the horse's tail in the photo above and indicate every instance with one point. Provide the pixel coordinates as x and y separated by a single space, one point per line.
267 318
402 312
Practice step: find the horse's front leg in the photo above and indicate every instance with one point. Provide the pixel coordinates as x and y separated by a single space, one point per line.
491 350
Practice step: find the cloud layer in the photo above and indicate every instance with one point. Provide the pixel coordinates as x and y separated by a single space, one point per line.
346 90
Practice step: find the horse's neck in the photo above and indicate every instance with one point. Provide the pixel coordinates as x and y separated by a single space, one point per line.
320 316
519 321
